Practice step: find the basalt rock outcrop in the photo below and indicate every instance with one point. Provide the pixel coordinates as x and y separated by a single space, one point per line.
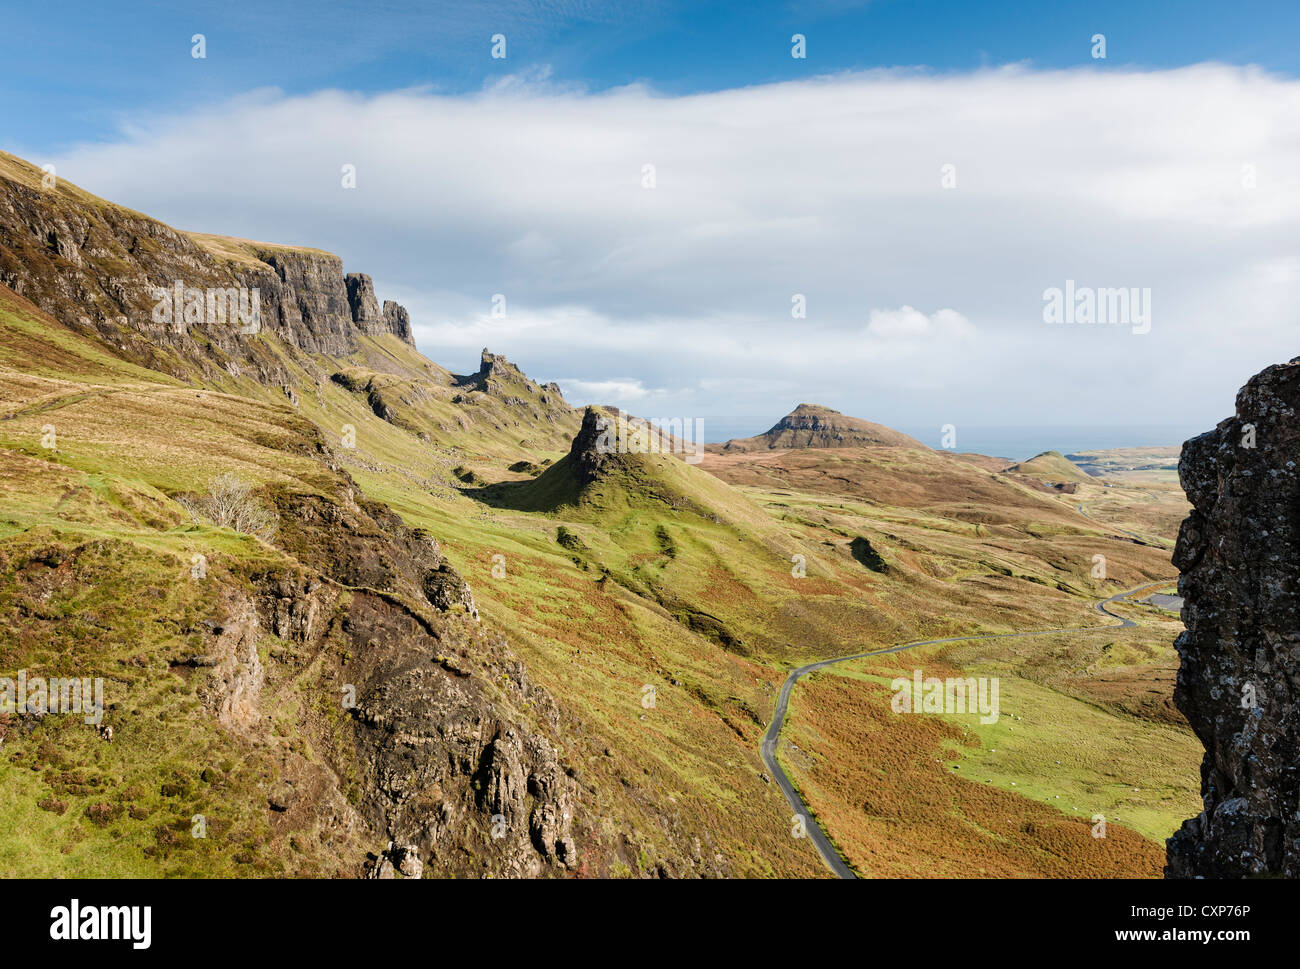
1239 681
397 321
361 299
502 380
367 315
452 777
101 269
589 452
451 747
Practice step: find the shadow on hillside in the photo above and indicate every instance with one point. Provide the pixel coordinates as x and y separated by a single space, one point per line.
548 492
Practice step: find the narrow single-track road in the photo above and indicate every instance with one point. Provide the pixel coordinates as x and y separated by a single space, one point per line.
816 833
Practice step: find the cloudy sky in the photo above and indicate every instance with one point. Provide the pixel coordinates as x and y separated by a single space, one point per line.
685 228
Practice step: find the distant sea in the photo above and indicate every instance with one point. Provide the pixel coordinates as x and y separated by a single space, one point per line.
1015 442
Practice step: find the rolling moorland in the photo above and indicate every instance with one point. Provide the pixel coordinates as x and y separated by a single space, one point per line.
473 644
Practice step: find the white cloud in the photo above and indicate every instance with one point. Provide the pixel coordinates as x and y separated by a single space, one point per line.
908 324
830 188
602 391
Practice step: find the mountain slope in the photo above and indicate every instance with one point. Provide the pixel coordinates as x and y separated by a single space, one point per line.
226 659
351 603
106 271
636 614
1051 466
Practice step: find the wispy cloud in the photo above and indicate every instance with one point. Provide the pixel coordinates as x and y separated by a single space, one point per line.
923 302
604 391
908 324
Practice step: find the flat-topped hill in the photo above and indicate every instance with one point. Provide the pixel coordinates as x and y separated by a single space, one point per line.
811 425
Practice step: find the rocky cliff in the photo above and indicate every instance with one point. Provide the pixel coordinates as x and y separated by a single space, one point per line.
167 299
397 321
443 749
586 455
450 768
1238 683
503 381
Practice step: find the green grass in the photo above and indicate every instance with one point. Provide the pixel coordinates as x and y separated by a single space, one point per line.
168 761
688 587
1086 761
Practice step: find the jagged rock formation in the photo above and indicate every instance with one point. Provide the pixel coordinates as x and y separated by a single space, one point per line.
810 425
361 299
1237 685
101 268
397 321
587 454
443 753
498 378
367 315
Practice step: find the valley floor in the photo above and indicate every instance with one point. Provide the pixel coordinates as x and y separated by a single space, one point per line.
1085 773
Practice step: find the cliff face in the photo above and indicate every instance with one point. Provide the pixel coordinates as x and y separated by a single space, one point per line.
397 321
306 303
444 749
1238 683
452 773
98 268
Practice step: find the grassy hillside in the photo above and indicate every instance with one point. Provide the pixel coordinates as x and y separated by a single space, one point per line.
994 554
1051 466
945 795
634 624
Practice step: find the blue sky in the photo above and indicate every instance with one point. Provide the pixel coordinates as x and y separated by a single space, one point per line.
1169 168
77 70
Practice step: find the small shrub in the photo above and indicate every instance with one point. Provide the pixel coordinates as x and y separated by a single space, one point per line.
230 503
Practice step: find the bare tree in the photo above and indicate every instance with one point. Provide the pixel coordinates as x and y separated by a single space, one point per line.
230 502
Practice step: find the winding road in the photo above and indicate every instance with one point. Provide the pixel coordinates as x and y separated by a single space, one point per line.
816 833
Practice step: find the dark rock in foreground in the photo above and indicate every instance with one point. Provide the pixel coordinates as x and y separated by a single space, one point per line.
1239 554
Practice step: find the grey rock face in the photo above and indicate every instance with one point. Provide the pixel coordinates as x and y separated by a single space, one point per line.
442 762
368 317
446 590
97 267
586 455
306 303
451 746
1239 554
397 321
363 304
